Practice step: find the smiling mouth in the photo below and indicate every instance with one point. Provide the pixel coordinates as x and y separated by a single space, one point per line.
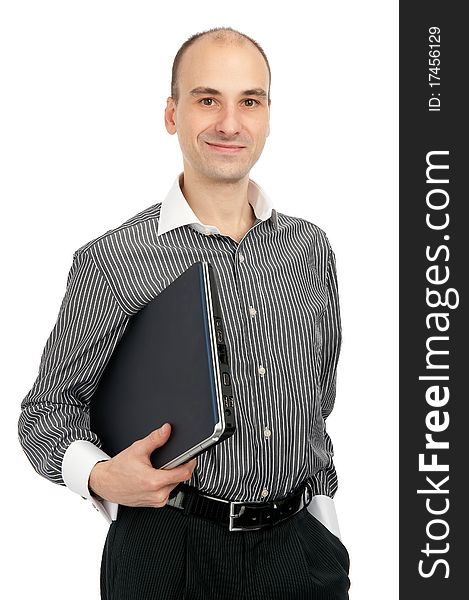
226 148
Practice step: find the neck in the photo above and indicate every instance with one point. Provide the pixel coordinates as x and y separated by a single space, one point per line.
222 204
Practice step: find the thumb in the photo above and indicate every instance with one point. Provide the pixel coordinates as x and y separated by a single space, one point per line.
155 439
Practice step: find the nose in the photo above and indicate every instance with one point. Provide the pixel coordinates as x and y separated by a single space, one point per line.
228 122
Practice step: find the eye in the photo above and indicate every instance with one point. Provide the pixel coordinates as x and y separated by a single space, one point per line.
204 100
251 100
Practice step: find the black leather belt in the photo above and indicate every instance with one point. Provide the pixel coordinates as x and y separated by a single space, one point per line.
239 516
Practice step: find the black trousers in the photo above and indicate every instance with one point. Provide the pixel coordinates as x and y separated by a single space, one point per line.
162 554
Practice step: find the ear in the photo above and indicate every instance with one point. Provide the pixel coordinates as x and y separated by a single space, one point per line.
169 116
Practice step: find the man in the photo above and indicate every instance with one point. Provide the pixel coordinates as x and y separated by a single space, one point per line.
279 300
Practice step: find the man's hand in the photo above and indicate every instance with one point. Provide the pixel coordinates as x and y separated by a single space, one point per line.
129 477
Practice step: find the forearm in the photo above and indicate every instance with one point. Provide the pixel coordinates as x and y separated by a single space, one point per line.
45 432
95 480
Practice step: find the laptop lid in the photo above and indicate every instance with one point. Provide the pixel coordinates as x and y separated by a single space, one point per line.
171 365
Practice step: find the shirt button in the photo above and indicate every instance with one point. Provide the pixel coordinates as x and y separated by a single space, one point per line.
207 231
241 258
261 370
267 432
264 493
252 311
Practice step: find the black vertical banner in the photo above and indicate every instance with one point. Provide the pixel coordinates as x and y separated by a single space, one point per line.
434 332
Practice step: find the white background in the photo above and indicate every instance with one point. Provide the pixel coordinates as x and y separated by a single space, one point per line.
83 147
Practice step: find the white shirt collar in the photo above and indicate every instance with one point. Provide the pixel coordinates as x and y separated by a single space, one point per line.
175 210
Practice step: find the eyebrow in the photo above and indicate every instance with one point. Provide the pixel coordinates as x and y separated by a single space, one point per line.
208 90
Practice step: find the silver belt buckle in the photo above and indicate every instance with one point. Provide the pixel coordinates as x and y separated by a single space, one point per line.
234 515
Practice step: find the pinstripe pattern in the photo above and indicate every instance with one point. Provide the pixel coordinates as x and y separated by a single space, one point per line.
284 268
165 555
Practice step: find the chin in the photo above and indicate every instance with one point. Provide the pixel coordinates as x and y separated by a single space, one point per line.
223 176
227 173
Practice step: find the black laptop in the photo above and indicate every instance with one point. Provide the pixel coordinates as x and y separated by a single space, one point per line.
171 365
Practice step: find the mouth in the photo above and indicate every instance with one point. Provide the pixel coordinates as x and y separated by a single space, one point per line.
226 148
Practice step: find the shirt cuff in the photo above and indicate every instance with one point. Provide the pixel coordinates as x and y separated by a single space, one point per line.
77 464
323 508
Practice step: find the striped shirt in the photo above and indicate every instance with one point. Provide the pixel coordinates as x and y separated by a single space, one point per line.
279 300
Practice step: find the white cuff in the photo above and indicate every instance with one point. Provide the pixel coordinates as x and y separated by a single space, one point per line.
323 508
77 464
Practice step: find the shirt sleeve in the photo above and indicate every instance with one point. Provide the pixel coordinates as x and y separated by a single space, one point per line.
323 508
325 481
55 413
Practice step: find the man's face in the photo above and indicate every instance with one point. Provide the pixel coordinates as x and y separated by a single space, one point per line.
220 103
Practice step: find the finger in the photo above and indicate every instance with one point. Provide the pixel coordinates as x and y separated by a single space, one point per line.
155 439
177 474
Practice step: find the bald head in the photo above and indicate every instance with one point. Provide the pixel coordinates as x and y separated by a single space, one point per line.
223 36
220 97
